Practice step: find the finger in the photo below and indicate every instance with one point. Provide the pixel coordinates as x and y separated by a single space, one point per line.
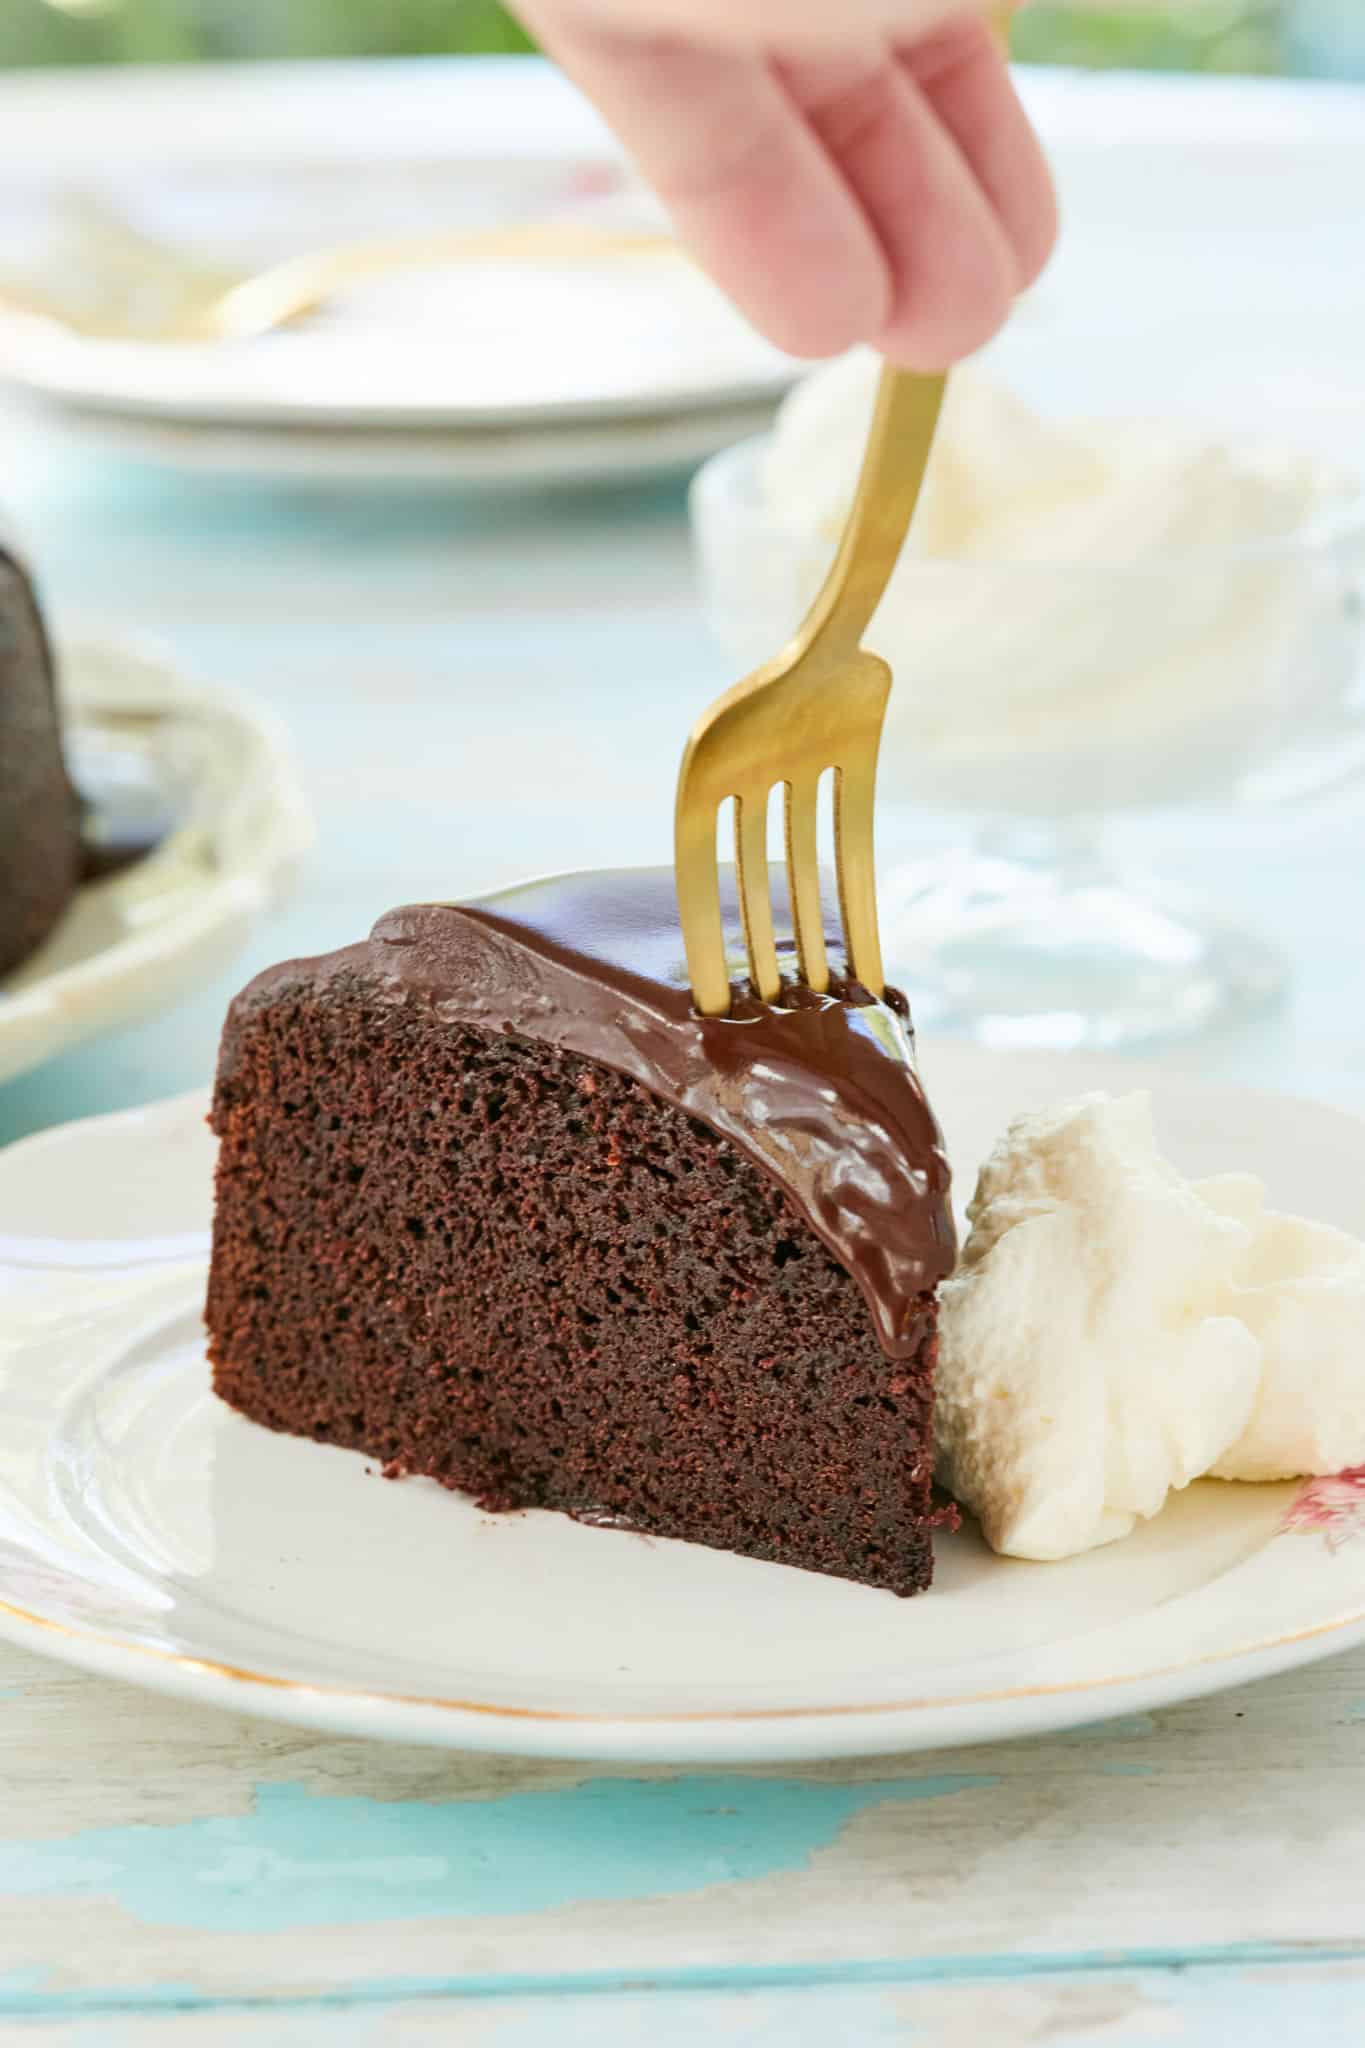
789 25
952 267
748 186
966 81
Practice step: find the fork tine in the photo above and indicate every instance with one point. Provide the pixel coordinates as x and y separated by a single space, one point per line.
698 881
755 900
818 703
803 881
854 788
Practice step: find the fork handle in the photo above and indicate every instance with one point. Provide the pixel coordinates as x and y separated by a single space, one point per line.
894 462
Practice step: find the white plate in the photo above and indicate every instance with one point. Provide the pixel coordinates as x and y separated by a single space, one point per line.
130 943
148 1533
458 346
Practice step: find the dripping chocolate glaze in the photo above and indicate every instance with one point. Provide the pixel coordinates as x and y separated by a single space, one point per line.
821 1092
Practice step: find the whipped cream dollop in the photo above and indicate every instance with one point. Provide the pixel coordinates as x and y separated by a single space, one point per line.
1114 1331
1301 1293
1007 485
1071 603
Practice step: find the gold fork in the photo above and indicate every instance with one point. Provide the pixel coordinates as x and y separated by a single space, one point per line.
302 285
198 302
817 706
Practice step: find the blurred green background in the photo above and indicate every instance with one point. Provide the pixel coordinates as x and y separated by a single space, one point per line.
1326 36
1208 35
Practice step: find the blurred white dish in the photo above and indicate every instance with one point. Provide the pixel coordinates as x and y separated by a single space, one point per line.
1086 621
483 342
587 451
133 941
1090 618
148 1533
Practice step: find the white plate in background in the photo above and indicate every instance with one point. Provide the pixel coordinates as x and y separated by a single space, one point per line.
491 340
148 1533
577 452
131 943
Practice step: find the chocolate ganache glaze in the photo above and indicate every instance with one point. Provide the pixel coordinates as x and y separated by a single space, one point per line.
820 1091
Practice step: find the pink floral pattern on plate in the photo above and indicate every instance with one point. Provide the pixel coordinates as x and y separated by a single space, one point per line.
1334 1504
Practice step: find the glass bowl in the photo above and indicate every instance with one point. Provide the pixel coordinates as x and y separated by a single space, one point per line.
1036 700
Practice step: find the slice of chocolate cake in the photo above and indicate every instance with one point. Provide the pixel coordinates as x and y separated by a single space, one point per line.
495 1205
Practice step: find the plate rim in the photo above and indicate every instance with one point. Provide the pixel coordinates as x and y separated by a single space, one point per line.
758 1733
571 453
669 405
714 1734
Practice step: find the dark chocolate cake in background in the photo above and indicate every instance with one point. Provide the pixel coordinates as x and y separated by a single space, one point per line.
496 1206
39 820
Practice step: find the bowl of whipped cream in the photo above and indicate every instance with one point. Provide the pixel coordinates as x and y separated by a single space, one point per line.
1090 617
1087 616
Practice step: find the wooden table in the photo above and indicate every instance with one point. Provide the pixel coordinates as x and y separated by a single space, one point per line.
169 1874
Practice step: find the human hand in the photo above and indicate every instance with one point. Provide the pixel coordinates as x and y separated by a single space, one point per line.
859 172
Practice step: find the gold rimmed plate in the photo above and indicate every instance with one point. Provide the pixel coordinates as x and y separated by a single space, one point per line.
147 1533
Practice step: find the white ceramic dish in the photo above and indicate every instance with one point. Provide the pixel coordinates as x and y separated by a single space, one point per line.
149 1534
629 343
445 348
132 942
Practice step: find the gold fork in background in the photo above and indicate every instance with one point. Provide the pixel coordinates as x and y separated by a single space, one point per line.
156 295
817 706
303 285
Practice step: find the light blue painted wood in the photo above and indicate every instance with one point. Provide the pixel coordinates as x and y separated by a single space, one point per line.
298 1859
1145 1999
